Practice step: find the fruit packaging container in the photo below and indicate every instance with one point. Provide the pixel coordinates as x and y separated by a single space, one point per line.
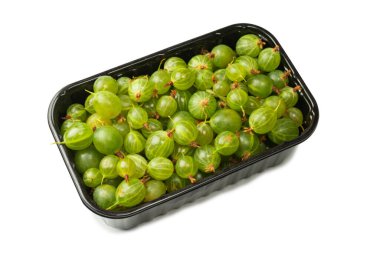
75 93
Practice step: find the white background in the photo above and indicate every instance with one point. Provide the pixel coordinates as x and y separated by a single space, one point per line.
324 199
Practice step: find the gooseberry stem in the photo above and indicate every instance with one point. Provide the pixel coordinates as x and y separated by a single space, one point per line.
113 206
192 179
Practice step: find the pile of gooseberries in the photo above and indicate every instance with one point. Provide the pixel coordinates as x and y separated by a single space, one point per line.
138 138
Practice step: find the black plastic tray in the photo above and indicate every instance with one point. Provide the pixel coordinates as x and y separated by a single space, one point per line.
75 93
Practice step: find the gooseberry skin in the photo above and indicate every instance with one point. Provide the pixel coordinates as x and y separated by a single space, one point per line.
277 104
129 193
202 105
182 97
150 107
269 59
137 117
126 102
252 104
236 99
246 144
180 150
180 116
89 103
123 84
77 112
249 44
140 90
107 140
92 177
222 55
154 190
226 143
87 158
235 72
174 63
260 86
225 120
122 127
152 125
203 79
108 166
175 183
205 134
106 83
289 96
134 142
107 104
220 75
160 168
280 79
295 114
221 88
79 136
112 181
249 64
285 130
262 120
126 168
166 106
141 164
207 158
160 80
185 167
185 132
159 144
104 196
199 62
183 78
67 124
95 121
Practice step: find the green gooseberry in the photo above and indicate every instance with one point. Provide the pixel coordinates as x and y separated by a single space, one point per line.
105 83
205 134
140 90
154 190
203 79
137 117
77 112
160 168
260 86
199 62
87 158
262 120
92 177
269 59
174 63
277 104
222 55
79 136
107 104
285 130
207 158
225 120
226 143
104 196
159 144
249 44
202 105
134 142
108 166
123 84
185 167
166 106
107 140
